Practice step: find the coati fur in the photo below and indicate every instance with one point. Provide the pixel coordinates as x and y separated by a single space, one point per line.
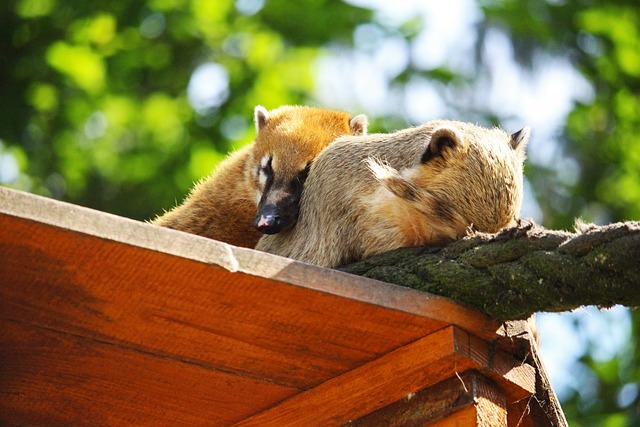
425 185
257 189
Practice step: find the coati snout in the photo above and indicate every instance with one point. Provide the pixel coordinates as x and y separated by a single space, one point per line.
274 218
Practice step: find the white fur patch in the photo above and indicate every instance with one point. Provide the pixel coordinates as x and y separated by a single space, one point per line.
264 161
258 197
262 175
380 170
396 183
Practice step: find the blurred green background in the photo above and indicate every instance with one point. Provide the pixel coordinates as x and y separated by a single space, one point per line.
121 106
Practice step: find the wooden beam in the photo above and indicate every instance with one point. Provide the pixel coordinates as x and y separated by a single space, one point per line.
468 399
542 409
515 376
421 364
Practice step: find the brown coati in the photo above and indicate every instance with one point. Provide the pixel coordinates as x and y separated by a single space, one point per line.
257 188
424 185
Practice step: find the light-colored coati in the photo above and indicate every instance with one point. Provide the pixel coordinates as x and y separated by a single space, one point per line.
257 189
419 186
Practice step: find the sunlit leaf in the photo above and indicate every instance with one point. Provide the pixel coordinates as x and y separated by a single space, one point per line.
34 8
210 16
99 30
167 5
164 118
43 96
80 63
203 161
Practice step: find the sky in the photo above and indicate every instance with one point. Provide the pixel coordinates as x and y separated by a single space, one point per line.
359 82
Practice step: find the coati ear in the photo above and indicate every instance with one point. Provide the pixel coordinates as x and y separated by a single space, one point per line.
359 124
260 117
519 139
443 138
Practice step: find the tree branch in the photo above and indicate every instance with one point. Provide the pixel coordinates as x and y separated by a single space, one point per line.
522 270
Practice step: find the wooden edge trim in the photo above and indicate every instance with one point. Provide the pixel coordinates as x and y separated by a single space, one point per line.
547 406
516 377
135 233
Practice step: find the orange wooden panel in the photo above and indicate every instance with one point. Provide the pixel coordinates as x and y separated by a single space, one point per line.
516 377
207 315
50 378
88 222
486 408
117 297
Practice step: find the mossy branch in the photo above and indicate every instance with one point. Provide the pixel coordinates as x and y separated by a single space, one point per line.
522 270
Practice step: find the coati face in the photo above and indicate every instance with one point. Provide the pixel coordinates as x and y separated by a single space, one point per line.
278 197
288 140
467 177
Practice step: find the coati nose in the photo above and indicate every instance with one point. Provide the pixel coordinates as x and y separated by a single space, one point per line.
268 221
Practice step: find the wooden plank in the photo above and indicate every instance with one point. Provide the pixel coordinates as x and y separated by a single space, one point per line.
483 414
487 408
542 409
371 386
515 376
379 383
235 322
48 378
106 226
458 395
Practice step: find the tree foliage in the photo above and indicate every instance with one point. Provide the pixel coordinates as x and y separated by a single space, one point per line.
602 39
99 102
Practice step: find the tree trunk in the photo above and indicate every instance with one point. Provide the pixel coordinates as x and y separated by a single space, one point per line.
522 270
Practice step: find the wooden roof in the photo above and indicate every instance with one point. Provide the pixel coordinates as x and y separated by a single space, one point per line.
110 321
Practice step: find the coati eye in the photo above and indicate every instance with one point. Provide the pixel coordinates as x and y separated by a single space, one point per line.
303 174
265 164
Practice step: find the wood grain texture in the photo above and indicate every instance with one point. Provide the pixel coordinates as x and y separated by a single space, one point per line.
485 414
107 321
436 403
51 378
543 408
488 407
516 376
201 313
16 204
365 389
